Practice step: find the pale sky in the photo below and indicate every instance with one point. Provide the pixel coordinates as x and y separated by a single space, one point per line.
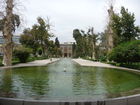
66 15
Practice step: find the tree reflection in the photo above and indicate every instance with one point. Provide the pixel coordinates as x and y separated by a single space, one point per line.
84 80
6 84
34 81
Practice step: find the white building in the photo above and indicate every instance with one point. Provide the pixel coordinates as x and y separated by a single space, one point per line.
66 49
15 40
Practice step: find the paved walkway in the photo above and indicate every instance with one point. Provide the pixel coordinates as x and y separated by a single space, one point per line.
83 62
33 63
80 61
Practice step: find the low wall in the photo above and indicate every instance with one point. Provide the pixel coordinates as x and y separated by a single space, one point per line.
129 100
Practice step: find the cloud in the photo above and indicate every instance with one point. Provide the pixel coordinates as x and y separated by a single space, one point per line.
67 15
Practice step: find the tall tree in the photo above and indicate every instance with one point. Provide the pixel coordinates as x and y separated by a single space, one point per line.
28 40
85 43
74 49
41 33
123 25
15 22
57 49
109 30
57 43
77 35
37 37
103 45
8 28
93 41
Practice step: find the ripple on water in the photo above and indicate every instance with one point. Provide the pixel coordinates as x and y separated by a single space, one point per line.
65 79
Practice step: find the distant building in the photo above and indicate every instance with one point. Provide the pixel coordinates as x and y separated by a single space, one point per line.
15 39
1 50
66 49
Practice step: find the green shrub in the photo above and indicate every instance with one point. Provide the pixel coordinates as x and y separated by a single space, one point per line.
22 53
128 52
40 52
103 58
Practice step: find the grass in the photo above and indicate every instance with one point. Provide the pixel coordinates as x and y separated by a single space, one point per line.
132 65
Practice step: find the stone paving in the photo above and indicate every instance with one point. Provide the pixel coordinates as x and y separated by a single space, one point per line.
83 62
33 63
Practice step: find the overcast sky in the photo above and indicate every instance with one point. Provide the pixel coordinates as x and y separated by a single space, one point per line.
66 15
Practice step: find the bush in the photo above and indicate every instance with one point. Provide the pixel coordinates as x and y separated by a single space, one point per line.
40 52
128 52
103 58
22 53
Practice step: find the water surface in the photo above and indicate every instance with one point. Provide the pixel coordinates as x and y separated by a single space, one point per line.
66 80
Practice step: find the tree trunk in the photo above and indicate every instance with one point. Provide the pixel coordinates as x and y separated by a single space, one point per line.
93 44
94 51
110 31
110 40
8 44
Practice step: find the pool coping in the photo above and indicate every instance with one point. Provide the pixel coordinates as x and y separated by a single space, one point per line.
127 100
108 66
32 64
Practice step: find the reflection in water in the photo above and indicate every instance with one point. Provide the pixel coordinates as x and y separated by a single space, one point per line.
6 84
89 81
119 82
66 79
34 81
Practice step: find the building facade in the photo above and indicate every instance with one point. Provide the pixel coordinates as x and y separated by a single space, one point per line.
66 49
15 40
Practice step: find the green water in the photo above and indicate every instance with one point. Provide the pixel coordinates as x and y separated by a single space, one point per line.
66 80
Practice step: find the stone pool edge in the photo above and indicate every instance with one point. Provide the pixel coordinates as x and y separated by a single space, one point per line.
127 100
81 62
33 63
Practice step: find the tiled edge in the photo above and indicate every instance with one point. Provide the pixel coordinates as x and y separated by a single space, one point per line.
11 101
129 100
